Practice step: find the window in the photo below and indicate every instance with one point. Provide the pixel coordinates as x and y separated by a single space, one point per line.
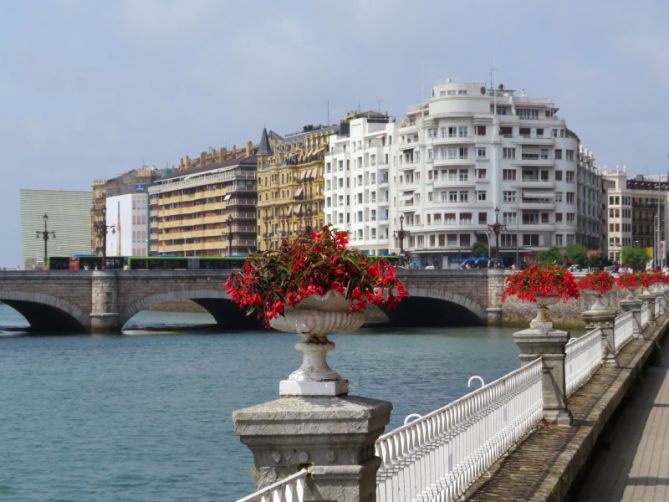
452 196
508 240
452 240
510 218
570 155
571 217
507 132
481 195
465 218
463 196
569 176
524 132
558 175
464 175
509 196
570 197
508 153
509 174
452 132
527 113
465 240
463 131
449 218
463 152
480 152
483 218
480 174
558 217
558 156
558 240
558 196
480 130
531 240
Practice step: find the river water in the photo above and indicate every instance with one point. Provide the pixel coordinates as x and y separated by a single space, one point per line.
146 416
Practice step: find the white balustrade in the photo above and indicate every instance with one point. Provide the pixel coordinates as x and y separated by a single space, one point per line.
623 330
289 489
645 318
658 306
583 355
439 455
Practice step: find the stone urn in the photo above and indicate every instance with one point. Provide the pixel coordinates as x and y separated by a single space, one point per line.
542 319
313 319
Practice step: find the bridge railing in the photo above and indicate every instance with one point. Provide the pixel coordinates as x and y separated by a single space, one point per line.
289 489
583 356
623 330
645 315
440 454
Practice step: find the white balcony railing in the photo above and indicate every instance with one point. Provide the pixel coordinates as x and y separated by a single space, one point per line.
289 489
439 455
623 330
583 355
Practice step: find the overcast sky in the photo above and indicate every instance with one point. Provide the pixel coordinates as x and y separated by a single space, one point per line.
90 89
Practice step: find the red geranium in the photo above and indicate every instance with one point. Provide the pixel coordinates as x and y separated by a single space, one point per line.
601 282
541 280
627 281
313 264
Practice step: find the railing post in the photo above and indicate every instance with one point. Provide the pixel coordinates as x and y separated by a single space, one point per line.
549 344
334 436
495 289
603 319
659 299
632 304
649 298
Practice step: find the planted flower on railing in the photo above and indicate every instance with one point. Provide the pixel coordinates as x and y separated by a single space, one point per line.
600 283
628 281
313 286
538 281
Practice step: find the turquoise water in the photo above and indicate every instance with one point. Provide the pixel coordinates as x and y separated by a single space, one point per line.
147 417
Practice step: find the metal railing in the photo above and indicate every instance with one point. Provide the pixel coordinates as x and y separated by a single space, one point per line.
289 489
645 317
623 330
439 455
583 356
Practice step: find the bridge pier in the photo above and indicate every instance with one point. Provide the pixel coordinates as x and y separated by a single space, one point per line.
104 302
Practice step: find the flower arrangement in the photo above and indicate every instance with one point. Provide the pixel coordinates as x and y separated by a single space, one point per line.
313 264
627 281
601 282
541 280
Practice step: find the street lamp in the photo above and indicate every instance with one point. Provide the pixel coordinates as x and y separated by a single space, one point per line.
46 235
401 234
497 228
101 230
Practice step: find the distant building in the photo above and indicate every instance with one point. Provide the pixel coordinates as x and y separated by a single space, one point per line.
207 207
358 184
637 213
127 222
290 183
591 199
134 182
68 215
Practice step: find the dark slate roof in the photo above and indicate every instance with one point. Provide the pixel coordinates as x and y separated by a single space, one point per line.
217 165
264 147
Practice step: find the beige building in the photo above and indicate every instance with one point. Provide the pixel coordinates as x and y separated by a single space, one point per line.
290 183
207 207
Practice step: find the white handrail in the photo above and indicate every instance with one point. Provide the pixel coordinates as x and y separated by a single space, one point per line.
439 455
645 317
289 489
623 330
583 355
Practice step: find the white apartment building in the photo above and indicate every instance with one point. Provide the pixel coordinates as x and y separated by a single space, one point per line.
591 196
127 222
358 184
467 151
633 207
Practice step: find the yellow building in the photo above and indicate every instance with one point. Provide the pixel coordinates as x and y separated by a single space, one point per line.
290 183
207 207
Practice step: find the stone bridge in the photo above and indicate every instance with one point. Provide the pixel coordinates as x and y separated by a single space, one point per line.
95 301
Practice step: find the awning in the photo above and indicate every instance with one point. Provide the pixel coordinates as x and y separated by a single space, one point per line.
298 192
538 195
298 209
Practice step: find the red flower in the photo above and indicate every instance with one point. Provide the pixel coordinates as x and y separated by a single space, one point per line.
600 282
545 280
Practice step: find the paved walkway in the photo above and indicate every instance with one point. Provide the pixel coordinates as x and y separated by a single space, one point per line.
633 463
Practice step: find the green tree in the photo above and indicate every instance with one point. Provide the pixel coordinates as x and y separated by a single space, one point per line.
550 255
578 254
634 257
479 249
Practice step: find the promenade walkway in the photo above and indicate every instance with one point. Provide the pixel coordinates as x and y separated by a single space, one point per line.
633 463
545 465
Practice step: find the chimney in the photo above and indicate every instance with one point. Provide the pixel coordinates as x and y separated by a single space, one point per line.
234 151
249 148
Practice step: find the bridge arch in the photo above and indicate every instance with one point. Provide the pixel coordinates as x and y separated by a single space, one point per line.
47 313
414 308
215 301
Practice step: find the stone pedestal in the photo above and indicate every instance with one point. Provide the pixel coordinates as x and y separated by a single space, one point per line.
603 319
659 300
632 304
649 298
493 316
104 302
549 344
496 279
334 436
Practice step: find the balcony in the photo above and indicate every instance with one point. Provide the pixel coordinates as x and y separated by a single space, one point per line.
454 162
533 183
441 183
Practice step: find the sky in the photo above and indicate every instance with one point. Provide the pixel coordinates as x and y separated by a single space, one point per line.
91 89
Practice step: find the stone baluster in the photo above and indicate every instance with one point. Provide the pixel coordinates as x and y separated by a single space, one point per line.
632 304
603 319
649 298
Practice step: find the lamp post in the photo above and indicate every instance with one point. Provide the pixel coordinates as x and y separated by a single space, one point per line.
101 229
46 235
497 228
401 234
229 221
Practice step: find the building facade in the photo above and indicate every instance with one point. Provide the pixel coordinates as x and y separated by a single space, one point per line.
591 215
127 221
290 183
358 184
68 216
207 207
470 150
636 210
